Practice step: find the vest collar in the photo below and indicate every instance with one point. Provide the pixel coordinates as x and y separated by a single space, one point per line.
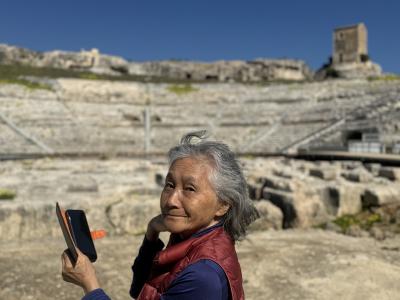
177 251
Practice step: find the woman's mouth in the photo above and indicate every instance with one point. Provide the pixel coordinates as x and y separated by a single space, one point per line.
173 215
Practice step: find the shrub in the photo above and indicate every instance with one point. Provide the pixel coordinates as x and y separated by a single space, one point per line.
181 89
331 73
364 219
388 77
6 194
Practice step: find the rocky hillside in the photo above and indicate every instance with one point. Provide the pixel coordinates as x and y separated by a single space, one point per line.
257 70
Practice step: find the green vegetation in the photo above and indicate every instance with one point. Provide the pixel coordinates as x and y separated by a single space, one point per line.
6 194
28 84
14 72
181 89
332 73
91 76
389 77
364 220
345 222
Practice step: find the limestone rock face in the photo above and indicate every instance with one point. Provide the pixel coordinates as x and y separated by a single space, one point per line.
349 70
94 61
310 194
242 71
84 60
390 173
381 195
271 217
358 70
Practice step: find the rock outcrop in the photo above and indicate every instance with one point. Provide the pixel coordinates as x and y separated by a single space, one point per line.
93 61
258 70
358 70
367 69
311 194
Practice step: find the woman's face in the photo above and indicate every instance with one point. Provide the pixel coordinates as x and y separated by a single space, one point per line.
188 201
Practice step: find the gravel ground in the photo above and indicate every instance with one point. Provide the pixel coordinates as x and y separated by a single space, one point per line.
276 265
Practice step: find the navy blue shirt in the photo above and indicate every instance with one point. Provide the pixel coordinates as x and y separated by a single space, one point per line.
204 279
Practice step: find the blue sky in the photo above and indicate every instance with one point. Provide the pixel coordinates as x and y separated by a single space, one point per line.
203 30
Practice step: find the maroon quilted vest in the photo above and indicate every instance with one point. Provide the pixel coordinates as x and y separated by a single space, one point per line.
215 245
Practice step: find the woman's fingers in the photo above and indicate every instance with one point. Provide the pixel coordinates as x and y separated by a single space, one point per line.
155 226
158 223
66 259
82 273
67 267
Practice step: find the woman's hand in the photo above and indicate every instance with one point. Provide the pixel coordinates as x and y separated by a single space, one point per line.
155 226
82 274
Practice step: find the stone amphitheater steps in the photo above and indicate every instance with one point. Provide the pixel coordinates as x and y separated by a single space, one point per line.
93 116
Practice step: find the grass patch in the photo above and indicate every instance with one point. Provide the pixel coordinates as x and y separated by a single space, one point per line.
363 219
390 77
26 83
345 222
6 194
90 76
14 71
180 89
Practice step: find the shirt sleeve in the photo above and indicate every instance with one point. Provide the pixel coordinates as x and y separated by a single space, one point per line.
97 294
142 265
202 280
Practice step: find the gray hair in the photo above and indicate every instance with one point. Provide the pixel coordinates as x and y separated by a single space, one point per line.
227 179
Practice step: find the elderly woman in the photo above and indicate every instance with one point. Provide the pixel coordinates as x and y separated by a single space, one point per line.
205 207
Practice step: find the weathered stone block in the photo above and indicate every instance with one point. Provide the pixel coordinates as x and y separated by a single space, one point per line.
284 201
373 168
381 195
390 173
271 216
325 173
358 175
277 183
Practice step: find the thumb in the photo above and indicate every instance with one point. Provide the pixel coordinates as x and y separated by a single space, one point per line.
98 234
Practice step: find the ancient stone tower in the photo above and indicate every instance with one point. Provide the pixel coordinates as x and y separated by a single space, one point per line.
350 44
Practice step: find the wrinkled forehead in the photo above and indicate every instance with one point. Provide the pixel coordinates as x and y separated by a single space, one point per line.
192 166
195 160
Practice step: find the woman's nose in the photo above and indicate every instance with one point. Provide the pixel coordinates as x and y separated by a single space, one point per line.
172 200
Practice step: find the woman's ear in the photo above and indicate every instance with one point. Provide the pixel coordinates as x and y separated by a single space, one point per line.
223 209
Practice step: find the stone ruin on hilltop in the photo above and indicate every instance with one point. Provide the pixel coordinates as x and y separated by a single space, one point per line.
350 57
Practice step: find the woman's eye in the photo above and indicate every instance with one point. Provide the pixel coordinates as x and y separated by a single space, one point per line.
169 185
190 189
